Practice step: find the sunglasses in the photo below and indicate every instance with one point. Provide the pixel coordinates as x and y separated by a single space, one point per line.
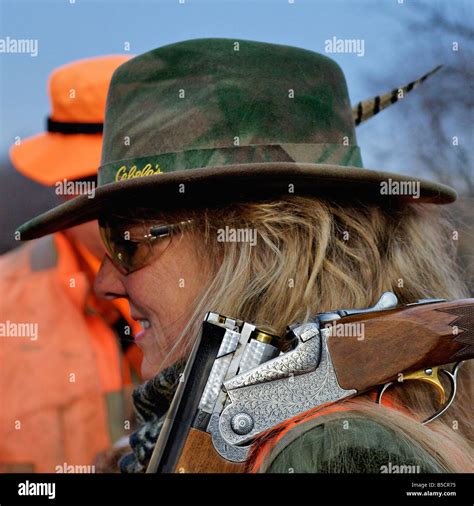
133 244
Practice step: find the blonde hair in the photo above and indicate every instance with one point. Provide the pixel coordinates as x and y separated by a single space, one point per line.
312 255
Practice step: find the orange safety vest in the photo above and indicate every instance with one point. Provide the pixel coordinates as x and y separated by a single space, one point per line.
63 377
269 440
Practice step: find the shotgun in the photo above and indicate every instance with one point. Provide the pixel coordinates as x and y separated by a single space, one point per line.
240 381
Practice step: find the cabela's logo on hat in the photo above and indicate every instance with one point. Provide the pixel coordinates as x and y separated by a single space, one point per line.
125 172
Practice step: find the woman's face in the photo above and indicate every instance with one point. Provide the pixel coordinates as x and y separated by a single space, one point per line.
161 296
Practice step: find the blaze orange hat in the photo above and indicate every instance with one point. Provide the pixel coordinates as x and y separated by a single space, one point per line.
71 147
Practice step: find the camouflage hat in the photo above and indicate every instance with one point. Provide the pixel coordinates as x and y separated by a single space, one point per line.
211 121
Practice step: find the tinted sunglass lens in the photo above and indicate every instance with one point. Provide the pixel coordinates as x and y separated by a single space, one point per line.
129 254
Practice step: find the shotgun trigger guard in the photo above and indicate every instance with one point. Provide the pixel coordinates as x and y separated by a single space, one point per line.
431 376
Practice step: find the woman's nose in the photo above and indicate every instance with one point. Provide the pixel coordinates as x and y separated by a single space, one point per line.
108 282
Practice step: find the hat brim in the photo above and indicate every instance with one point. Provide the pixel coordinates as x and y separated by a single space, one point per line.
50 157
213 186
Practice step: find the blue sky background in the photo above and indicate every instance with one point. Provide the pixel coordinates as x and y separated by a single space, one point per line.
67 31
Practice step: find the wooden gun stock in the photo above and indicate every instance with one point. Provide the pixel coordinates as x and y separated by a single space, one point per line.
199 456
403 340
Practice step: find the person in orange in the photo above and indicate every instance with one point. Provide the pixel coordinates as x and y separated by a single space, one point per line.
68 361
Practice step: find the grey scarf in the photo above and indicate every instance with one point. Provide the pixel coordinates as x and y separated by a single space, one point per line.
151 401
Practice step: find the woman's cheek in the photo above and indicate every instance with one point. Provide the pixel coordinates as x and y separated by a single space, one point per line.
151 357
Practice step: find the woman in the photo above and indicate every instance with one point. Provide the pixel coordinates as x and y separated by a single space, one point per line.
203 138
310 256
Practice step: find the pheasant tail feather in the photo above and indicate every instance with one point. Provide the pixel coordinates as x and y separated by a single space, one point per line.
368 108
